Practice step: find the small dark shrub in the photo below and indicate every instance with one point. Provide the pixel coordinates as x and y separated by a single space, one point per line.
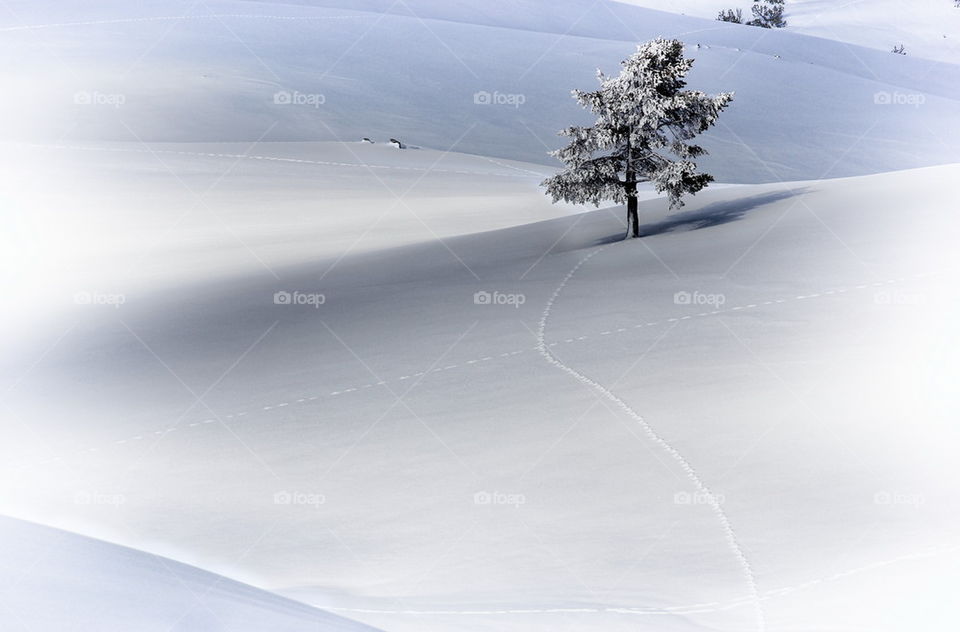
735 16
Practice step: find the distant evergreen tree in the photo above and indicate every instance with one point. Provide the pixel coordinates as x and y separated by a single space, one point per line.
644 121
767 14
731 15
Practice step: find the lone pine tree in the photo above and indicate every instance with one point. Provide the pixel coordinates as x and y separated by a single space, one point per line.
645 120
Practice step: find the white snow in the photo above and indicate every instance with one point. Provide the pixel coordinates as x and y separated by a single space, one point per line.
401 387
926 28
52 580
813 390
423 73
241 208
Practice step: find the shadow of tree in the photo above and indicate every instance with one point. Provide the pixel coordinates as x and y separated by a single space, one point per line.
717 213
714 214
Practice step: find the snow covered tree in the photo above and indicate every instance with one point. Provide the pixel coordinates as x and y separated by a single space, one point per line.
731 15
767 14
645 120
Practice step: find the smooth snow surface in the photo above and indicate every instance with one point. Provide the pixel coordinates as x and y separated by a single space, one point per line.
149 216
926 28
340 448
400 386
490 78
52 580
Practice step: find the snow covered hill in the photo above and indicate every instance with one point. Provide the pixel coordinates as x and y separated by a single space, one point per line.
926 28
52 580
398 385
134 217
402 446
490 78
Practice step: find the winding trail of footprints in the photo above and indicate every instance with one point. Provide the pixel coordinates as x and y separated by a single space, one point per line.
307 399
733 542
755 597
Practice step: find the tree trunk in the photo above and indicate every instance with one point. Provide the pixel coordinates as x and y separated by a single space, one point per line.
633 223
